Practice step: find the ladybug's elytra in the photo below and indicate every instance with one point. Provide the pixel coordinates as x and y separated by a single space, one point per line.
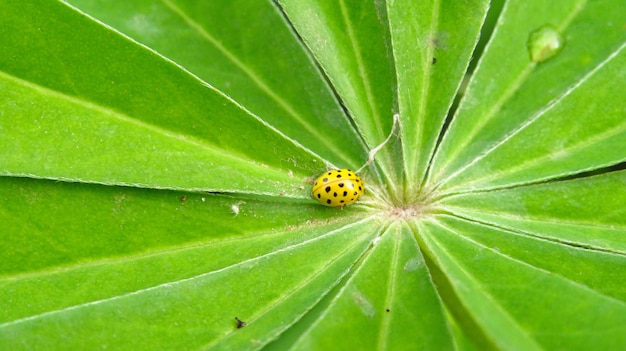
338 188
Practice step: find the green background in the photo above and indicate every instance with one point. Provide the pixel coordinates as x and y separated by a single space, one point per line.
156 160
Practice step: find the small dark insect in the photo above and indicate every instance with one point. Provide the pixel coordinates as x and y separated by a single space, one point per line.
183 198
434 60
240 323
388 310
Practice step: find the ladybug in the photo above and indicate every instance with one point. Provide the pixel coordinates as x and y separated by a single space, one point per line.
338 188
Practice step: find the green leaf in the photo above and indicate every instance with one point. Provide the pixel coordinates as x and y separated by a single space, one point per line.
179 288
432 43
111 252
401 297
527 307
536 125
593 217
142 106
156 161
94 222
350 40
227 52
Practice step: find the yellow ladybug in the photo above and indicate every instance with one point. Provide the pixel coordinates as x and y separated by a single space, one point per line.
338 188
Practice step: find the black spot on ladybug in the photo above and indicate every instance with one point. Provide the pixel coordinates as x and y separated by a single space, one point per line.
325 180
334 194
338 175
328 201
355 193
240 323
345 193
319 196
327 189
351 185
341 185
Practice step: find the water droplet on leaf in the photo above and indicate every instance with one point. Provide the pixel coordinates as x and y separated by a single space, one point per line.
544 43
